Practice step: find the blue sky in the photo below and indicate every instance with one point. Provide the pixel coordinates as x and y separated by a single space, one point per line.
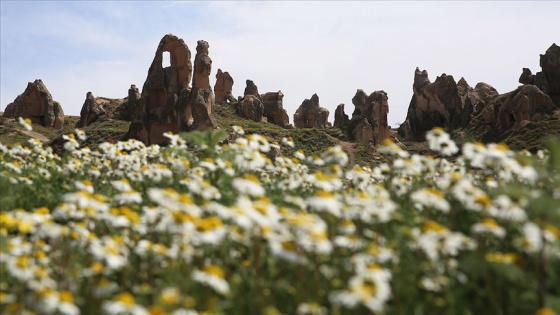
329 48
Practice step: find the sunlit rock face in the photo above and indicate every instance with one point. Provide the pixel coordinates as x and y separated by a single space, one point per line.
273 109
166 102
96 109
223 88
250 106
311 115
36 103
267 107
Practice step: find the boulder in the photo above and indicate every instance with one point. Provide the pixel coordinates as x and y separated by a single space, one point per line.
251 107
36 103
311 115
274 110
91 111
223 88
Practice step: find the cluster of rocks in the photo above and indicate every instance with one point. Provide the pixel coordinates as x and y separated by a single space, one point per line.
442 103
368 123
267 107
167 102
455 105
311 115
96 109
36 103
547 80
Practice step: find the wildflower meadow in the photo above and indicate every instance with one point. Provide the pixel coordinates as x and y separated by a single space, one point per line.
232 223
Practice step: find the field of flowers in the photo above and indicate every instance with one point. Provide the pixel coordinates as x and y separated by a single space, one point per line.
219 223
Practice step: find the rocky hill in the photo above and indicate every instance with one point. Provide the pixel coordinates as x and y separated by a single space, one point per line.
523 118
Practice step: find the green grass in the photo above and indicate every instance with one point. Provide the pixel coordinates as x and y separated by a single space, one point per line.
311 141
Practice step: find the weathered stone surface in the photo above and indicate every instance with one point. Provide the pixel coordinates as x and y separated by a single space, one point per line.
91 111
166 102
378 117
547 80
527 77
251 107
369 112
311 115
526 103
202 70
251 89
512 111
202 66
535 100
223 88
341 120
202 119
274 109
36 103
361 130
443 103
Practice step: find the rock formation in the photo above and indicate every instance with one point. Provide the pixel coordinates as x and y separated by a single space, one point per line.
547 80
443 103
310 115
526 103
201 74
134 107
511 111
101 108
37 104
266 107
251 107
535 100
251 89
369 119
202 118
166 103
223 88
341 120
91 111
274 109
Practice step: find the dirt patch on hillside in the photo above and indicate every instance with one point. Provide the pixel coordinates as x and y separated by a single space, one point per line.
34 134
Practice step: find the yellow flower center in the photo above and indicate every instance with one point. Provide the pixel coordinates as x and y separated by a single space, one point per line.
126 298
214 270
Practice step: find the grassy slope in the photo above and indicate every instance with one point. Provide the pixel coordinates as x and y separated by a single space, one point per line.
311 141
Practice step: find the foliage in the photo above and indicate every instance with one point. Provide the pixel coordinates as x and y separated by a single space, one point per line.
220 223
